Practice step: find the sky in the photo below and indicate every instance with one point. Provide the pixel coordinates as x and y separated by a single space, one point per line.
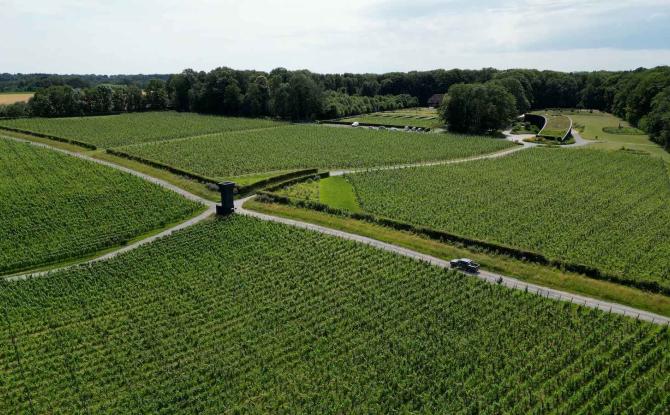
167 36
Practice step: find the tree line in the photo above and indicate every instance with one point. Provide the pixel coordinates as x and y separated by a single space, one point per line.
640 96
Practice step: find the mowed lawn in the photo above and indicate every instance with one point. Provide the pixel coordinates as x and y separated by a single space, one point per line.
556 127
599 126
606 210
7 98
132 128
308 146
54 207
235 315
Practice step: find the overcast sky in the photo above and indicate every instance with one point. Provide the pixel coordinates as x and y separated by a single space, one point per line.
164 36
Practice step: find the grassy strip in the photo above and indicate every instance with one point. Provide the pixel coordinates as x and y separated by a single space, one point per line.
193 186
337 192
273 180
51 137
90 256
522 270
52 143
163 166
471 243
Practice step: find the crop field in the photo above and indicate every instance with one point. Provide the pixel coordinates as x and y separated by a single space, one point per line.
412 112
302 146
607 210
241 316
56 207
399 121
117 130
13 97
557 126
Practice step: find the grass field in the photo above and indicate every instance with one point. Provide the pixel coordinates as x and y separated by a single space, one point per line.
308 146
603 127
599 209
117 130
56 207
241 316
334 191
13 97
556 127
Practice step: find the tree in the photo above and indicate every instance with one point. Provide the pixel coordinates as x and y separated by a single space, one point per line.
155 95
478 108
370 88
57 101
305 97
178 87
280 103
514 87
657 122
257 99
232 98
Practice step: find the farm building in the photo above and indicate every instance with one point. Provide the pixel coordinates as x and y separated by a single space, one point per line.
435 100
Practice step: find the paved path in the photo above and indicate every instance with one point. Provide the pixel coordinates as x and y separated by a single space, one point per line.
483 275
211 207
579 140
498 154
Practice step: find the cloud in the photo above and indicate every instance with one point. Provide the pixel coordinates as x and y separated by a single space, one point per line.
127 36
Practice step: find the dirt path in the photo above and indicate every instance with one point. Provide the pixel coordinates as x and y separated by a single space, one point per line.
498 154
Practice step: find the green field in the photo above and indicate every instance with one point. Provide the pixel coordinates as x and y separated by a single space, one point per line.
607 210
241 316
56 207
604 128
308 146
556 126
117 130
394 121
335 192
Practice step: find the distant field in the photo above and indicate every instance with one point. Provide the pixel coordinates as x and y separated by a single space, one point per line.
394 121
601 209
604 128
116 130
12 97
411 117
241 316
55 207
308 146
556 127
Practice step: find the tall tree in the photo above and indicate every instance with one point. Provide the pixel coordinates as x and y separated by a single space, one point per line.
478 108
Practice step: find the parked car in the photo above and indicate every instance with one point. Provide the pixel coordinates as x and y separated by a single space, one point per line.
355 124
465 264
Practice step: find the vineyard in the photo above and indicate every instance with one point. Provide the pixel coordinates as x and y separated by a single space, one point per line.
56 208
606 210
302 146
133 128
398 121
242 316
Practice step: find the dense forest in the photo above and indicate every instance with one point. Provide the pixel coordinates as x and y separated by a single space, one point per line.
642 96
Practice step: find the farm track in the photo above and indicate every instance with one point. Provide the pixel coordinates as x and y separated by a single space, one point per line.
239 207
498 154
